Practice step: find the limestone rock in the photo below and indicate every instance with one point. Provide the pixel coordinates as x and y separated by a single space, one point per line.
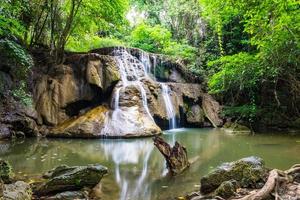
212 110
195 116
64 178
247 172
129 122
17 191
88 125
66 89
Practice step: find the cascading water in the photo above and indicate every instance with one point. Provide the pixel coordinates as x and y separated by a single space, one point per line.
126 65
169 106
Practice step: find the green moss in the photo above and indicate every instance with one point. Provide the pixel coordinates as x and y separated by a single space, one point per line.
5 171
226 189
247 172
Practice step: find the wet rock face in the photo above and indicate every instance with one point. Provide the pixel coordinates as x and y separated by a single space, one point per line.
195 116
64 178
247 172
116 94
80 82
17 191
88 125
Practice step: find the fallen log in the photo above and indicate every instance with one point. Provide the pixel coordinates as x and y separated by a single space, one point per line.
176 156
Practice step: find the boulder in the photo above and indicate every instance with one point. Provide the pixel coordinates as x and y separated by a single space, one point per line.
17 191
236 128
5 171
212 110
66 89
195 116
248 172
65 178
88 125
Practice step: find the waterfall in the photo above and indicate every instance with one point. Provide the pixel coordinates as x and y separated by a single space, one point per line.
128 67
132 71
169 106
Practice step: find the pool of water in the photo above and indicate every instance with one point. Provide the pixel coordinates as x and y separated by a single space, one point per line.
136 168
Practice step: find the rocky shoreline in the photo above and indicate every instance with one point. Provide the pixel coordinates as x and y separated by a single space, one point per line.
244 179
248 179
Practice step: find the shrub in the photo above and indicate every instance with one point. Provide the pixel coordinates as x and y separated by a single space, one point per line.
91 42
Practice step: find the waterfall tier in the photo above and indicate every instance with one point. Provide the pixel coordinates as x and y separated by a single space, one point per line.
121 92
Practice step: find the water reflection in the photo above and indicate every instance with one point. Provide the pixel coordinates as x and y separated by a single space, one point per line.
137 169
123 153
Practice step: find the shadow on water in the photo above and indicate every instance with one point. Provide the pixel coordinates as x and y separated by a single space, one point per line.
137 169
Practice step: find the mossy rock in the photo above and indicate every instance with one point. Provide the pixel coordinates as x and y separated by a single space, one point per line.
227 189
65 178
247 172
236 128
5 171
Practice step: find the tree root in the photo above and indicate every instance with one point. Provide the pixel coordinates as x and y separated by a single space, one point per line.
274 182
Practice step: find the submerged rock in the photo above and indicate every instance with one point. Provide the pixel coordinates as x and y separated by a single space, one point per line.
248 172
69 195
65 178
17 191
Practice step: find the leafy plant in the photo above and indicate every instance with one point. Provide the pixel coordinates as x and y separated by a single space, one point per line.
88 43
20 62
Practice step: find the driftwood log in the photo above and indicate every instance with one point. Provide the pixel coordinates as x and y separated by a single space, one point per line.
176 156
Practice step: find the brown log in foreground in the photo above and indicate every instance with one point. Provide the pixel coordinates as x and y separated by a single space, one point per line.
176 157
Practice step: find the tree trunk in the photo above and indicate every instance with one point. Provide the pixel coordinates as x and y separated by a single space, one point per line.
176 157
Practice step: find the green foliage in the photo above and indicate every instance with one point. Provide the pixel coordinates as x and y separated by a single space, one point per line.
245 112
269 31
153 39
240 72
16 55
88 43
11 13
158 39
21 93
20 62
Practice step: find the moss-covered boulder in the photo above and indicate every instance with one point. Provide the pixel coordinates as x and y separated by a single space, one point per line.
227 189
248 172
5 171
65 178
236 128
